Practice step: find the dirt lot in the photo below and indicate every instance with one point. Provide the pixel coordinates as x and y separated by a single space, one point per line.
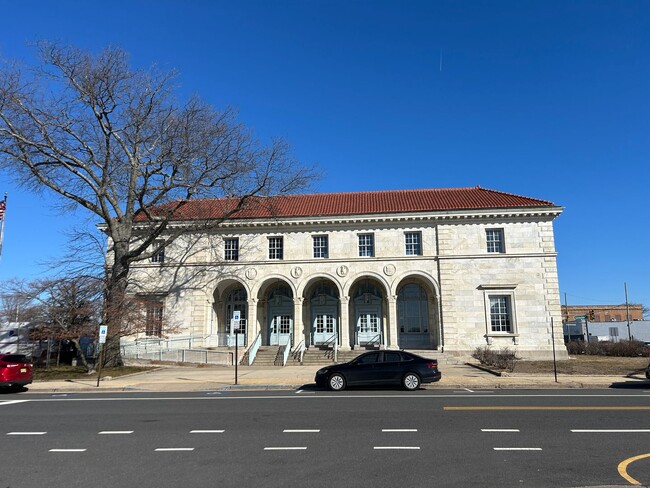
586 365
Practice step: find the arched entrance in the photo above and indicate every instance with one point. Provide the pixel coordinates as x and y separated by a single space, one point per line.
323 304
413 317
367 301
236 304
280 315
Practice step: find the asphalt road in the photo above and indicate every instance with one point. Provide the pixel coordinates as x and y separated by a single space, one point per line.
311 438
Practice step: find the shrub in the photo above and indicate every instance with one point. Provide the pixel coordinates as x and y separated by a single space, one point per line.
619 349
501 359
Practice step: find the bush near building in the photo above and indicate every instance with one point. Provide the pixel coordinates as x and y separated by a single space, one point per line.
503 359
620 349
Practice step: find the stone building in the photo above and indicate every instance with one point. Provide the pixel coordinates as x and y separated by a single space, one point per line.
437 269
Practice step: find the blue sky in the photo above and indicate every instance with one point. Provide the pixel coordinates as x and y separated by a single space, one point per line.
546 99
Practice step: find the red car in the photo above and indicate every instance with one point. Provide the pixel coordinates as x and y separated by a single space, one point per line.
15 370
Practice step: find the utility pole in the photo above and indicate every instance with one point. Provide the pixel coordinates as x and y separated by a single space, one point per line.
627 309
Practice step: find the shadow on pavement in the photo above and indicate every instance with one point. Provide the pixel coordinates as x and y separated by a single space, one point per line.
632 385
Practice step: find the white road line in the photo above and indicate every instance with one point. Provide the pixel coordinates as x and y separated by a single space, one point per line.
499 430
67 450
609 431
115 432
298 391
166 449
207 431
11 402
301 431
26 433
415 448
517 448
285 448
399 430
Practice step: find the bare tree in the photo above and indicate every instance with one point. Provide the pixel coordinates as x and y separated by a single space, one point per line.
116 142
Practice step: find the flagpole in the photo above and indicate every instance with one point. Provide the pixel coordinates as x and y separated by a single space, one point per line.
2 229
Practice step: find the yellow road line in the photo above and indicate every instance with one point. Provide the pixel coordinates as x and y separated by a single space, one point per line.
622 468
544 408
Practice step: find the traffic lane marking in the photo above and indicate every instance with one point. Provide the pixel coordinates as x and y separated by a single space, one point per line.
609 431
115 432
26 433
399 430
301 431
517 448
67 450
204 431
499 430
622 468
399 448
286 448
168 449
12 402
515 407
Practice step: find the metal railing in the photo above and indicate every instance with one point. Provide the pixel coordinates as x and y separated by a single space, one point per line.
287 350
299 351
255 346
196 356
374 340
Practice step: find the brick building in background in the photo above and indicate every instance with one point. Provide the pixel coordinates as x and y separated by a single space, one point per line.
603 313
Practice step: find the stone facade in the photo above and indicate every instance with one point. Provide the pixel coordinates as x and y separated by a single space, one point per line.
429 283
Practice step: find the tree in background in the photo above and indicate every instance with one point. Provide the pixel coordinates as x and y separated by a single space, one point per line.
116 142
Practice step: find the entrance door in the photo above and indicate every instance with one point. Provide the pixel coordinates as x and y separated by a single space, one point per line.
323 328
279 330
368 328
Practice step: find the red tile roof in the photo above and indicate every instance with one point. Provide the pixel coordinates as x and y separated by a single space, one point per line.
358 203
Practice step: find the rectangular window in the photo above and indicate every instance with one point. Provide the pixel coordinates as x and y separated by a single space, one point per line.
159 255
413 241
275 248
495 242
154 318
231 249
501 313
366 245
320 247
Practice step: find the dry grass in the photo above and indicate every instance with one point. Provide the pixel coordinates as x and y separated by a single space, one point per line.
586 365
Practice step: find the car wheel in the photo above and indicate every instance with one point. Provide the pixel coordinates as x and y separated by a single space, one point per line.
336 382
411 381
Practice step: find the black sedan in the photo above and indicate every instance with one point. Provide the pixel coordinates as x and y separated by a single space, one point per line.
380 368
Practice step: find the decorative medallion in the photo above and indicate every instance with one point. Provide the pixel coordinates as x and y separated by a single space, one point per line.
296 272
342 270
389 269
251 273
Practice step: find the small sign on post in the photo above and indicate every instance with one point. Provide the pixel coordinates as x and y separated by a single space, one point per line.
103 332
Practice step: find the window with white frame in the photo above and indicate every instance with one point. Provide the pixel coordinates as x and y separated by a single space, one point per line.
367 245
159 255
413 242
501 317
275 248
321 247
231 249
495 241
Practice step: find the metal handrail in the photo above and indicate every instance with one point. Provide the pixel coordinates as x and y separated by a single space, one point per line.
331 341
299 351
252 351
375 339
287 350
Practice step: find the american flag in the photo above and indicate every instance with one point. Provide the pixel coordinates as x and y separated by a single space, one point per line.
3 207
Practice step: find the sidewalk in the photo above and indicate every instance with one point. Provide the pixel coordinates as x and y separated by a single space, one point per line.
212 378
